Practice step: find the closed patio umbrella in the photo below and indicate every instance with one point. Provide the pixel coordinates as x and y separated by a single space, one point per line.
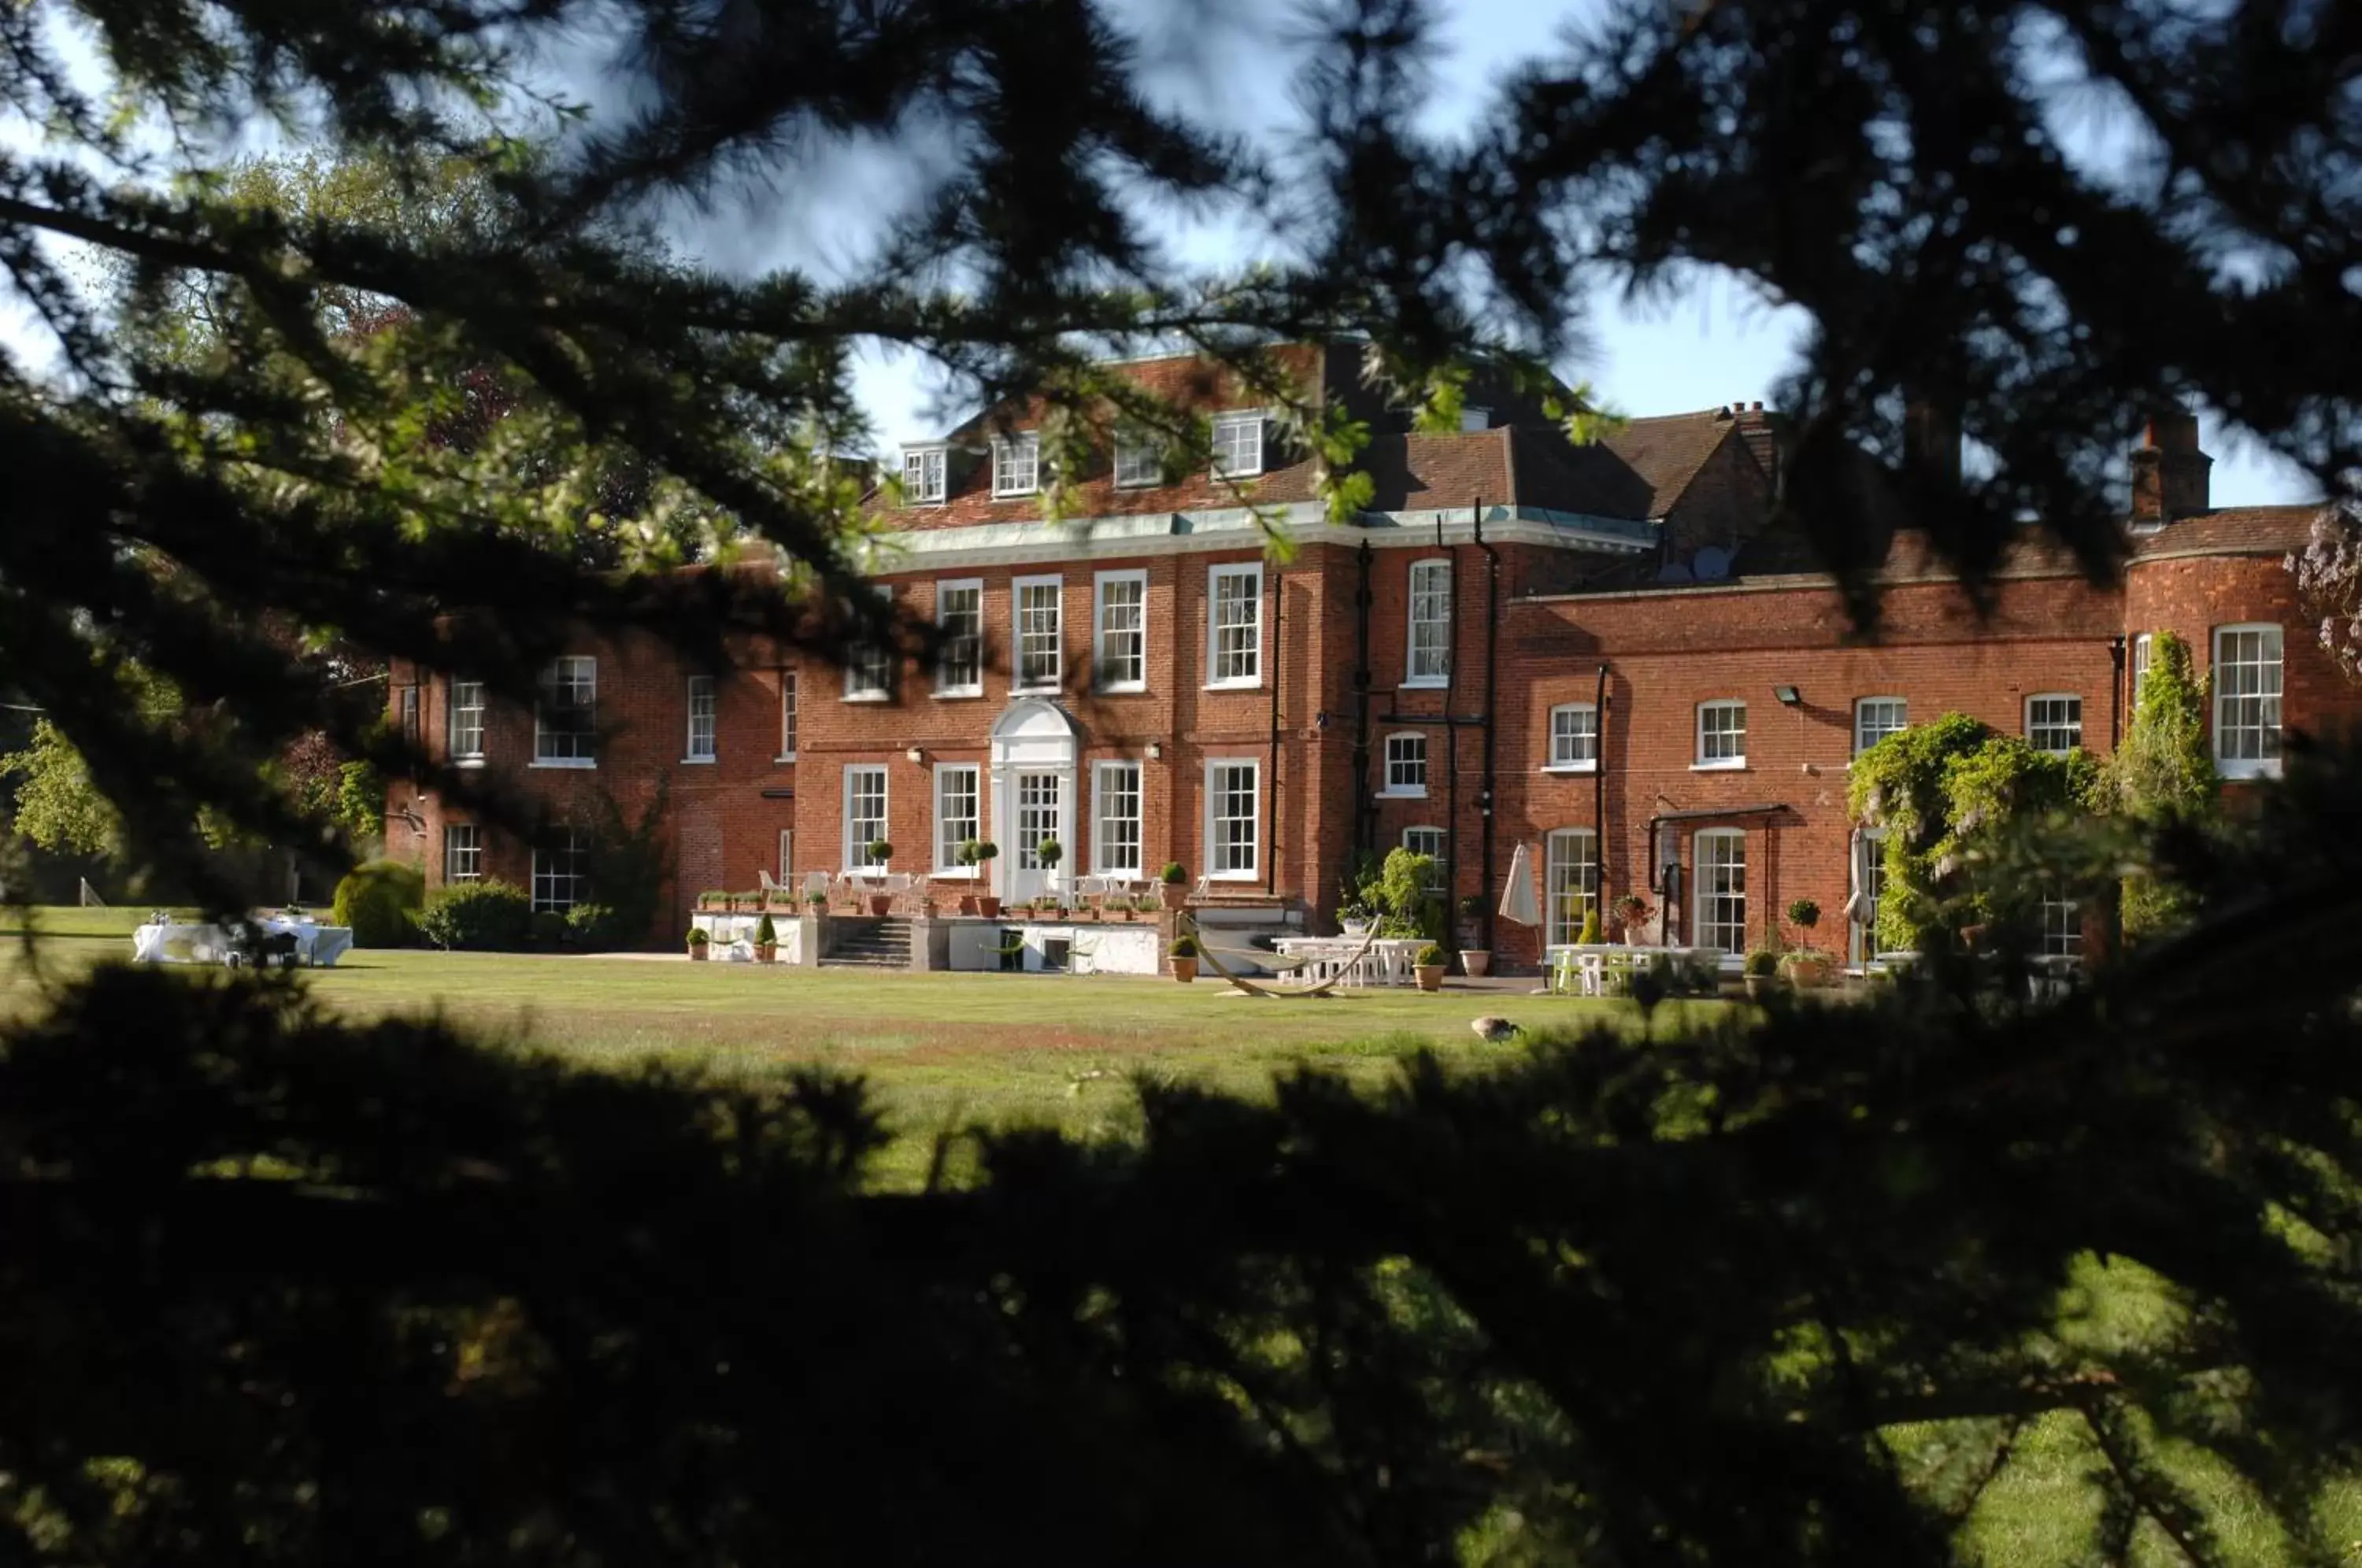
1517 900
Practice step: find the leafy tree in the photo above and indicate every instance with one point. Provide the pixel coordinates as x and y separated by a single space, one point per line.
1948 795
2163 774
57 806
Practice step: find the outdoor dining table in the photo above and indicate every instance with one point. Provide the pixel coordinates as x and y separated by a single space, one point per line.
1565 958
199 942
1387 963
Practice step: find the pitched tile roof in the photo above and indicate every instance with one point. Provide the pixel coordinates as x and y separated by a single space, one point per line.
1666 451
2233 531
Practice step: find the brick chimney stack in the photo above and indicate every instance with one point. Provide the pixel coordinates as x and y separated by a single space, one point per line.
2169 473
1931 438
1755 429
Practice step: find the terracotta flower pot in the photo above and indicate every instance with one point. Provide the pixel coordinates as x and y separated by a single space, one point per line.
1175 894
1184 970
766 953
1760 986
967 904
697 952
1808 974
881 905
1476 962
987 906
1430 976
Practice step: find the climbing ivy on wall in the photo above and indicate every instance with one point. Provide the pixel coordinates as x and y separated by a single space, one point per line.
2163 775
1941 791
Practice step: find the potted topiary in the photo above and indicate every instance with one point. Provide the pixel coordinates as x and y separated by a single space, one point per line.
1806 967
1428 968
988 903
969 856
696 944
767 941
1761 969
881 854
1173 885
1183 956
818 901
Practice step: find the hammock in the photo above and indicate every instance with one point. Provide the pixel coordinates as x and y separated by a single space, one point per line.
1249 987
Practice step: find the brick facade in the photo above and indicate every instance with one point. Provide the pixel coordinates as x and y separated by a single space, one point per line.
1517 533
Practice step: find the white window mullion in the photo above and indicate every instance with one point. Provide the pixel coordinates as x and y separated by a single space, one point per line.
1233 819
1571 865
1115 823
959 622
701 718
1234 624
1040 609
957 816
1573 738
1119 655
2248 680
1429 662
865 813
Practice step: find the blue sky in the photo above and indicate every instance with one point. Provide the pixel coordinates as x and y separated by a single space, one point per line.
1712 342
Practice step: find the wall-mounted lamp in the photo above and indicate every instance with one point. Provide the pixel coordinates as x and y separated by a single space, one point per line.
1155 751
1788 695
917 754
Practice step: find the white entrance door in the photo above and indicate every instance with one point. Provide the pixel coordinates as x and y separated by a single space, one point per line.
1041 800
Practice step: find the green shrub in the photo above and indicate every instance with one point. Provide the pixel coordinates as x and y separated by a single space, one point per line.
549 926
476 916
1590 931
596 926
380 901
765 934
1762 961
1428 956
1183 947
1804 912
697 937
1173 876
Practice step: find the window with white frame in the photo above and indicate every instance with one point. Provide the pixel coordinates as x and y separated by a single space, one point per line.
701 719
1120 659
1234 624
1721 858
1115 819
1573 737
2062 926
2247 702
2143 650
926 474
2054 720
1017 464
1722 734
565 714
1406 764
1571 872
957 817
1429 842
1233 818
463 853
1238 444
1875 718
868 671
466 720
864 815
1431 625
786 715
959 622
1138 460
561 872
1040 615
410 704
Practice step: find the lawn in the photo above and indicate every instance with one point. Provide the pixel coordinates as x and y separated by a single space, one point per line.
945 1052
941 1050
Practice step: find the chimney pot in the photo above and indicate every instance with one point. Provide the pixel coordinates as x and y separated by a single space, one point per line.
2169 472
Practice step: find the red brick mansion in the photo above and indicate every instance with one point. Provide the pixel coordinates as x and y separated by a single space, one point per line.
1592 653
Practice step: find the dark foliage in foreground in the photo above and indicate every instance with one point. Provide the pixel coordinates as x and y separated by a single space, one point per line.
278 1286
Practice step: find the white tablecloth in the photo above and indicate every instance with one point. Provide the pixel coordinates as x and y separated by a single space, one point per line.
178 943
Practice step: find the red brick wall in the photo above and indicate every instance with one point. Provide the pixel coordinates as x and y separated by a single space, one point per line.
1668 650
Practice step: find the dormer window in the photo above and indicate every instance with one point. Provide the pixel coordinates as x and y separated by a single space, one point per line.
926 472
1016 465
1238 444
1474 419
